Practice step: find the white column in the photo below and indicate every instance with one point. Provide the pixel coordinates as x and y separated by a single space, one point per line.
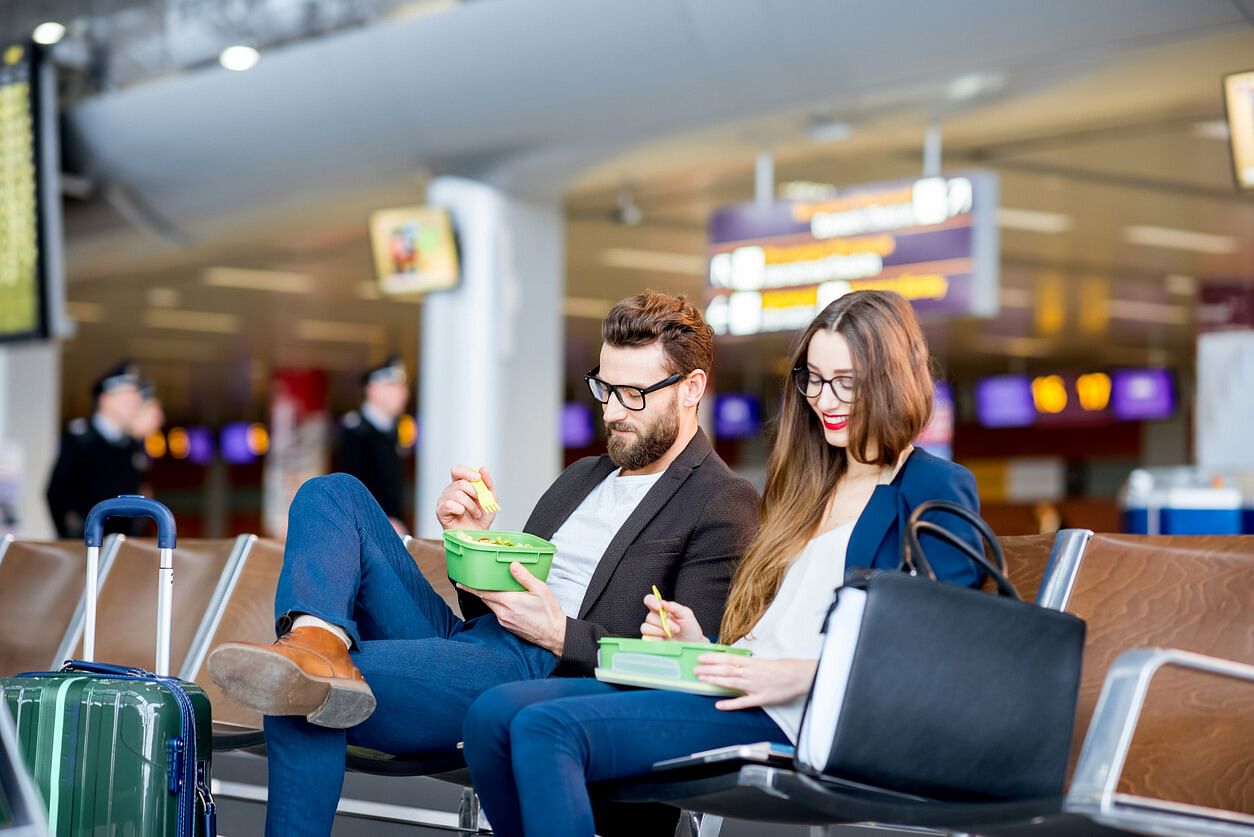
490 384
30 418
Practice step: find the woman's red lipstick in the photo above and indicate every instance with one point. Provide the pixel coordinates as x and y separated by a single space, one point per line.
835 423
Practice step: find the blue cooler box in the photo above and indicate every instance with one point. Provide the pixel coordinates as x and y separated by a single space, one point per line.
1183 511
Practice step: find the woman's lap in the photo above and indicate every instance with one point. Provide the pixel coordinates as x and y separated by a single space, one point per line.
621 732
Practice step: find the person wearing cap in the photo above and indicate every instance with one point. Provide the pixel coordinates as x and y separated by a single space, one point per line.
97 459
369 449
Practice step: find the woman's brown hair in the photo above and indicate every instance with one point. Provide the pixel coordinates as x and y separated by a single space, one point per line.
892 404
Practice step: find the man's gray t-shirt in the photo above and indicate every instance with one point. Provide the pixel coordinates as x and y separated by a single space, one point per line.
586 534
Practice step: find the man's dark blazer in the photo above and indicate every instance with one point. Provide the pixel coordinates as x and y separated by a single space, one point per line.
686 536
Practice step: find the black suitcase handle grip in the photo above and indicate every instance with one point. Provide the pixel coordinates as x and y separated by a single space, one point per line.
130 505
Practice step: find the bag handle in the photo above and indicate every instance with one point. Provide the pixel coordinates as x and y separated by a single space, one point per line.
914 561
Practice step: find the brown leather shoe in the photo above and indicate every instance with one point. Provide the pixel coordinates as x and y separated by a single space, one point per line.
307 672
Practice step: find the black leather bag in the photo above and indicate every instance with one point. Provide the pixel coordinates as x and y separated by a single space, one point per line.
943 691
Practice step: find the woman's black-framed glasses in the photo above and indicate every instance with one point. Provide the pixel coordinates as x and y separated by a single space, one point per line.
630 397
810 384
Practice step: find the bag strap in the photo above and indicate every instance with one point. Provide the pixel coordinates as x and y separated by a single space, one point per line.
914 561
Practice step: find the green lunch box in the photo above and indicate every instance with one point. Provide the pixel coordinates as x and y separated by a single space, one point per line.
659 664
483 565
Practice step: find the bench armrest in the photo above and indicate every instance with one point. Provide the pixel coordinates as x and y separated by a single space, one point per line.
1094 788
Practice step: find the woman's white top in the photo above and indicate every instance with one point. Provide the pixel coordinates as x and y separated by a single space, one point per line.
790 627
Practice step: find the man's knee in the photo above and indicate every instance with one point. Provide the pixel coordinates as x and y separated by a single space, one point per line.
329 487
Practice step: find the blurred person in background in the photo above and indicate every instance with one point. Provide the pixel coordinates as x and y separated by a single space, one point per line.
149 419
369 448
97 459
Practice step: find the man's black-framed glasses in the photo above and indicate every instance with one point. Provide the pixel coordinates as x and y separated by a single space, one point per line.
810 384
630 397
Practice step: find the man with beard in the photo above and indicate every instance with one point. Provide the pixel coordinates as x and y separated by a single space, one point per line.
370 655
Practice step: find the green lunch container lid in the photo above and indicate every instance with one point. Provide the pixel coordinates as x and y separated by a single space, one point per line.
480 558
649 660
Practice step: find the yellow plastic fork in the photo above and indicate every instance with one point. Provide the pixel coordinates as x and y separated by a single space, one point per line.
485 497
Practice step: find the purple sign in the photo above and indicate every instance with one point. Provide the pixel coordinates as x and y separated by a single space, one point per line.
737 416
934 240
1142 394
235 447
199 445
1004 401
577 429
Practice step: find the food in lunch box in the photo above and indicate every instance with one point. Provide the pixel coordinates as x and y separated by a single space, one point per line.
492 541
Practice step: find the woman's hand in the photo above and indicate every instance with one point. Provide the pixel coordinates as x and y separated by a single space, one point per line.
764 682
681 621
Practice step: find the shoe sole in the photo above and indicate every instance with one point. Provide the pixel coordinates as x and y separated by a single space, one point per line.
272 684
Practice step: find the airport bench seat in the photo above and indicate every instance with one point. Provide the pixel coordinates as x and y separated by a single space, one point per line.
41 600
1173 750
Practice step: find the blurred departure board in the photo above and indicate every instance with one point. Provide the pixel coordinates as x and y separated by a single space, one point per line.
20 282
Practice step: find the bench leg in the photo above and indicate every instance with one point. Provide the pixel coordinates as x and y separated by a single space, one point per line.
468 812
710 826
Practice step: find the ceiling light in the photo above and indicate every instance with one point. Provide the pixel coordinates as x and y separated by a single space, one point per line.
974 84
239 58
276 281
163 298
48 33
1213 129
191 321
1181 285
654 260
1172 239
806 190
1030 220
828 130
628 211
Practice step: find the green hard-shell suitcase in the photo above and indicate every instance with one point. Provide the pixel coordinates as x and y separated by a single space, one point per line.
115 750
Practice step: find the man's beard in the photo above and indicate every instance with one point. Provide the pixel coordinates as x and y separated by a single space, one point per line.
650 443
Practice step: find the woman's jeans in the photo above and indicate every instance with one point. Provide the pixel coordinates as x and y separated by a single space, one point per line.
343 563
533 747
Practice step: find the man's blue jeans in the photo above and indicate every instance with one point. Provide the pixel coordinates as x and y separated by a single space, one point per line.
533 747
343 563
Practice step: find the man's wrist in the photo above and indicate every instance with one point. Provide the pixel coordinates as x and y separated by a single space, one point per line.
558 643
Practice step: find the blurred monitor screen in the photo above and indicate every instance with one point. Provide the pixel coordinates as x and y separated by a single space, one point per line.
199 445
415 250
236 449
22 268
1239 101
938 437
1142 394
577 427
1004 401
736 416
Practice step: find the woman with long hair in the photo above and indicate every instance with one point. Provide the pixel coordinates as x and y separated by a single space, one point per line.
841 481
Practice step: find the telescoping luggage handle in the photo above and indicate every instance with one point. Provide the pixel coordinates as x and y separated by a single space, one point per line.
132 505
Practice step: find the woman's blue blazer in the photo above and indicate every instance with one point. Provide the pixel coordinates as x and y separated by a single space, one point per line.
876 539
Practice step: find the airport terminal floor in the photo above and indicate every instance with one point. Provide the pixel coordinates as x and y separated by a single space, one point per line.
675 419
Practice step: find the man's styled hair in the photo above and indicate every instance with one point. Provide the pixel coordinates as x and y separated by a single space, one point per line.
654 317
